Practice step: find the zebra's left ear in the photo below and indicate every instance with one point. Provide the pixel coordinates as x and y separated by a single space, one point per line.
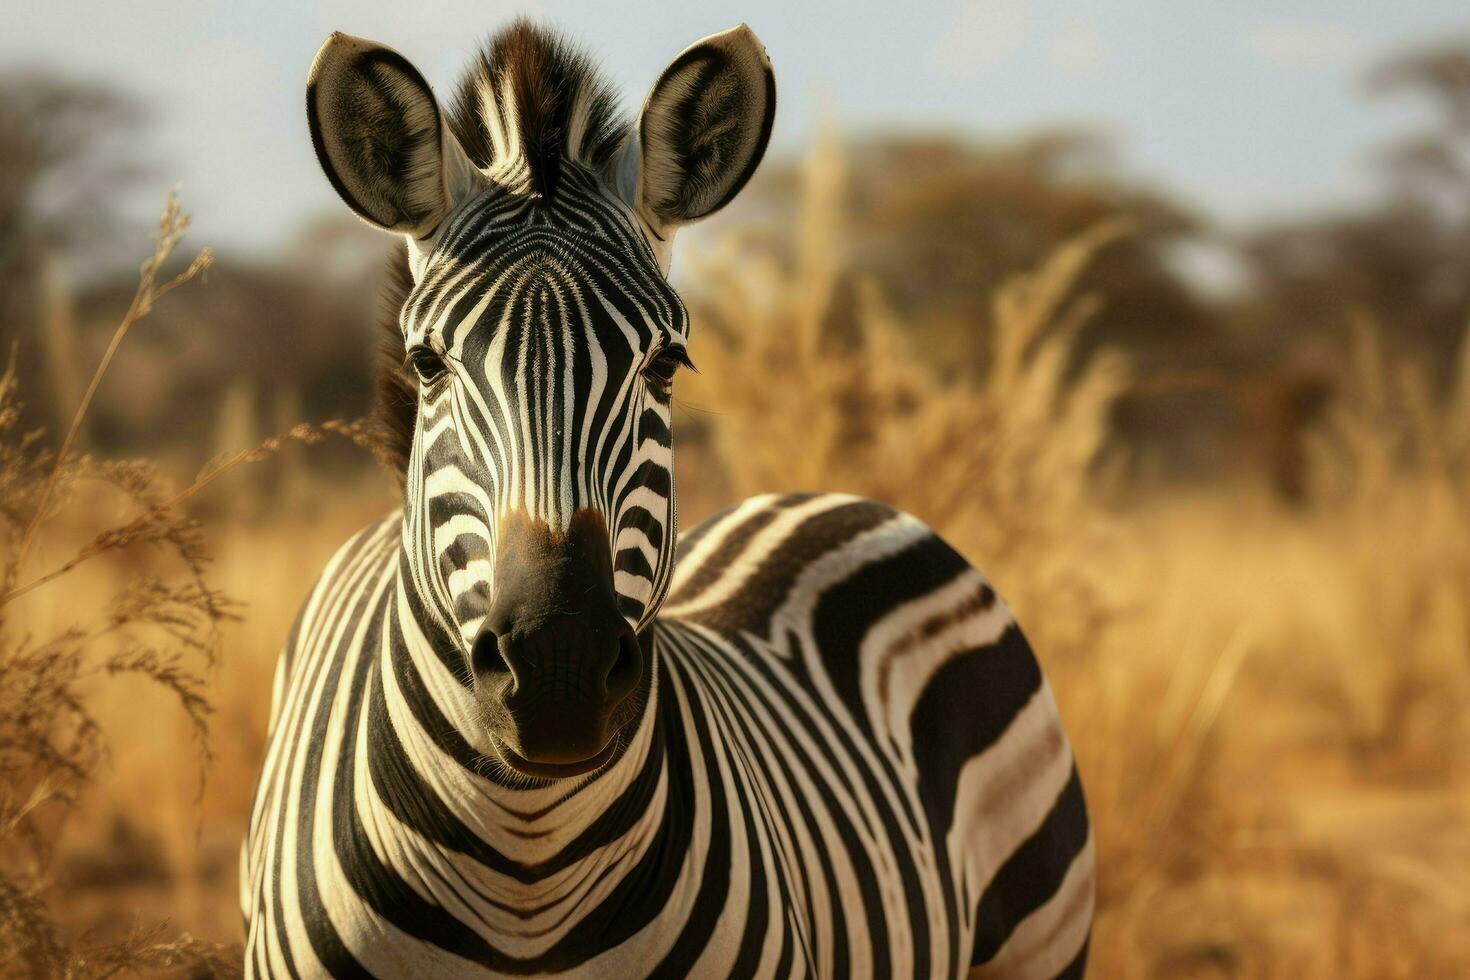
704 129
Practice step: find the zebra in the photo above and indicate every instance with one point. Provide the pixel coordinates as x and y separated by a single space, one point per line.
514 730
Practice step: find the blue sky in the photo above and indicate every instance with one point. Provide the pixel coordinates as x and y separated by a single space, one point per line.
1247 108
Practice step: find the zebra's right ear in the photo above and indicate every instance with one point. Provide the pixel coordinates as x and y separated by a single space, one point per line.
380 138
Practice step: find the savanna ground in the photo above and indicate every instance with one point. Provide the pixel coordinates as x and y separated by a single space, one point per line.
1270 702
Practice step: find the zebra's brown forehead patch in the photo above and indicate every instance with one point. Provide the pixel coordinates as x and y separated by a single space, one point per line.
552 569
540 536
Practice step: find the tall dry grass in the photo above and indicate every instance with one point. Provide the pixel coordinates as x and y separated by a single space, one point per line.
69 637
1394 464
806 392
160 627
1268 704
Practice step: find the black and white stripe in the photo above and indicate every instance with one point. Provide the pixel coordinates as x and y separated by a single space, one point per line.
842 758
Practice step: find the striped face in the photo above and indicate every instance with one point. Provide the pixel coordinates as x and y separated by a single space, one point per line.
545 340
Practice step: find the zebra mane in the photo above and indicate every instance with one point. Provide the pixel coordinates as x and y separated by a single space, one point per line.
531 97
396 405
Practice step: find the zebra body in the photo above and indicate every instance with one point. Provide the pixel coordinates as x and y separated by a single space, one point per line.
513 731
832 777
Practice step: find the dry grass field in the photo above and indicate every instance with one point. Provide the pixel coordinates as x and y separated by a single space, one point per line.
1270 704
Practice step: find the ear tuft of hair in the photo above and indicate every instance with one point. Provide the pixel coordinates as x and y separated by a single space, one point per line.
396 405
532 97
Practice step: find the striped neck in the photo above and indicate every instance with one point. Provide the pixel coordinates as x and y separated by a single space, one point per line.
554 846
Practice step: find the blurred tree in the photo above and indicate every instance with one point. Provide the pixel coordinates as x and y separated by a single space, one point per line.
293 336
940 222
67 151
1433 165
1405 259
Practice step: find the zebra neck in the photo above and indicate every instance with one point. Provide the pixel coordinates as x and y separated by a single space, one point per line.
518 839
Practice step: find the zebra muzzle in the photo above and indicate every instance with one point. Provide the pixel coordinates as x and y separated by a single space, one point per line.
555 661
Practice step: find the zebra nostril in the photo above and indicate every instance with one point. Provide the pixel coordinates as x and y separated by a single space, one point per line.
626 669
486 660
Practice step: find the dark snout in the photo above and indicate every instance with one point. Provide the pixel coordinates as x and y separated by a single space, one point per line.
555 661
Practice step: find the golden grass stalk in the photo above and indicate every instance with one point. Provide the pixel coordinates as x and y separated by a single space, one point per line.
172 224
154 522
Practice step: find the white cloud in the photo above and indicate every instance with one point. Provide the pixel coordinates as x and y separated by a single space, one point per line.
1079 49
1304 46
986 33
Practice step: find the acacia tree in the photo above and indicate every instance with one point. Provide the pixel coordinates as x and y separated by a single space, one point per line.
1403 261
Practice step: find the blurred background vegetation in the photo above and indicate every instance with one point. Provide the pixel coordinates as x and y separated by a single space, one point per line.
1221 473
1238 337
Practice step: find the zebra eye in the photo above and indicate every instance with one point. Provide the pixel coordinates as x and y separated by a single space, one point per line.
429 366
665 364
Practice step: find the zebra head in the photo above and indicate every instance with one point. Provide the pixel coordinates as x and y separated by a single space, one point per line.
543 340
